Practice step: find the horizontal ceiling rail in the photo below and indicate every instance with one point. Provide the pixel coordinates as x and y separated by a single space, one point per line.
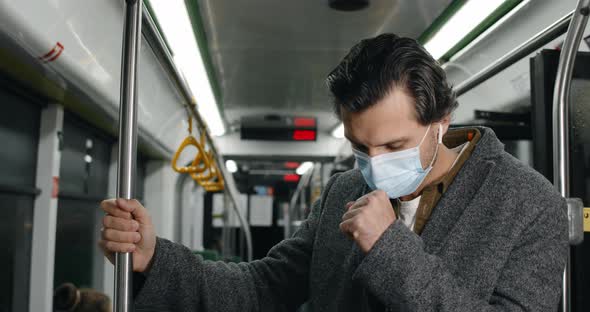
531 45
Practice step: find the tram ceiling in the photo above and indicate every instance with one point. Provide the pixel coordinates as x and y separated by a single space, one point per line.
274 55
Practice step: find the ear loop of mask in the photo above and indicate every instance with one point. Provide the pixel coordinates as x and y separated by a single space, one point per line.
440 137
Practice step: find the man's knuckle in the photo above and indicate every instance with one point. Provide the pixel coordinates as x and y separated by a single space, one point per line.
358 222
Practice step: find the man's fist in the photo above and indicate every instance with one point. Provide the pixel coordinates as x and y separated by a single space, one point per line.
128 228
367 218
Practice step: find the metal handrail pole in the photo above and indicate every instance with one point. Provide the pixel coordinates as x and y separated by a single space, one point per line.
531 45
561 119
232 190
303 182
123 301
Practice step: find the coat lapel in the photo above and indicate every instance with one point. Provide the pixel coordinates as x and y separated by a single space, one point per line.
461 192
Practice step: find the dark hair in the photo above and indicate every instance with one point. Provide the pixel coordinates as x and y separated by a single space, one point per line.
375 66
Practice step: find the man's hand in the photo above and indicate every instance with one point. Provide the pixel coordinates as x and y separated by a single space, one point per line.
367 219
128 228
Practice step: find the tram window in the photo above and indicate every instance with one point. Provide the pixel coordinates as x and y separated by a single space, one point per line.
19 134
85 160
16 218
75 241
83 184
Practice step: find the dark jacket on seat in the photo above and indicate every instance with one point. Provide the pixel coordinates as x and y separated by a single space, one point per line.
496 241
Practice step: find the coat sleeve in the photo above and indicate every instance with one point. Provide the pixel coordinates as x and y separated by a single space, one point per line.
406 278
181 281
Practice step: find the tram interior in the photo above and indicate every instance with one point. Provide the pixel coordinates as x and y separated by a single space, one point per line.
246 78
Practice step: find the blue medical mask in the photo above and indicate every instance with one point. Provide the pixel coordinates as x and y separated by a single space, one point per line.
397 173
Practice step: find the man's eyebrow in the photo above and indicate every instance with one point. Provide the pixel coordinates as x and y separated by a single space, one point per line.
393 142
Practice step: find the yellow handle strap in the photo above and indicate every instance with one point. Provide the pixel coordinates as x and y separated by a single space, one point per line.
217 186
214 186
212 181
200 164
202 176
202 156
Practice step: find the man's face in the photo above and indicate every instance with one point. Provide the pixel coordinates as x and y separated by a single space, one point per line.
391 125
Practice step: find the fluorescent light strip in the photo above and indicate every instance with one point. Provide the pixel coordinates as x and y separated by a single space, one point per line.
304 167
490 30
339 131
173 17
231 166
460 25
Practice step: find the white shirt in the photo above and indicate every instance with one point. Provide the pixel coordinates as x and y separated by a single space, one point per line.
407 211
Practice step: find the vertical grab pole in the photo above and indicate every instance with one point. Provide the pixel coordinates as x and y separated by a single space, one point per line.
561 126
123 301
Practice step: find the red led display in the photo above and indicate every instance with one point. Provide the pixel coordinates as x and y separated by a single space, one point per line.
304 122
291 178
304 135
291 165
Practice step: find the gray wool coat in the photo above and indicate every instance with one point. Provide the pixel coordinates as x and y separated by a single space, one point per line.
496 241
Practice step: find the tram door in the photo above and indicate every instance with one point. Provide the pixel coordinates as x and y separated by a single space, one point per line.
543 74
19 135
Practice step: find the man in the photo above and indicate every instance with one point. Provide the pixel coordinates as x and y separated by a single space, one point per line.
433 220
